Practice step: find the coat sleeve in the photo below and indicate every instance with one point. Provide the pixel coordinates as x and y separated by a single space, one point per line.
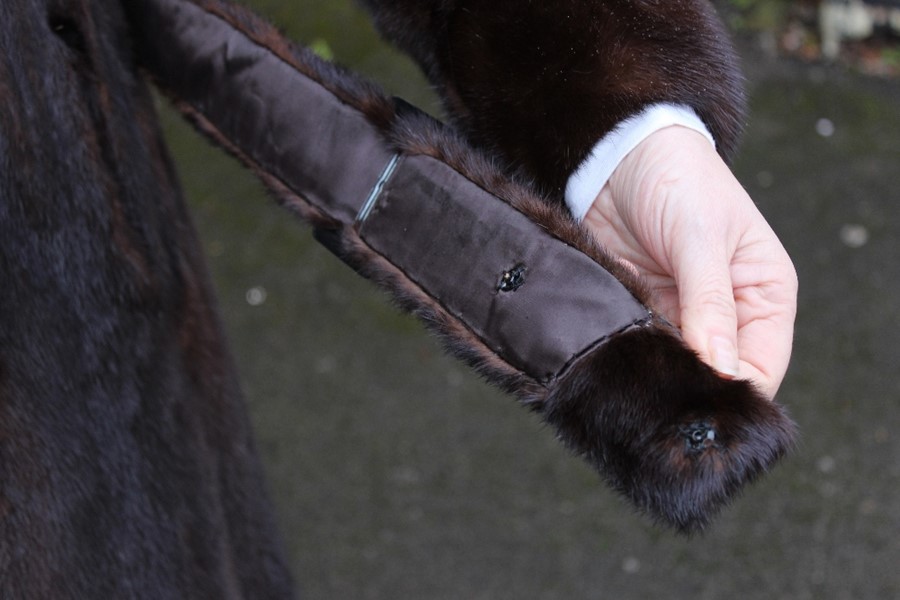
538 83
502 276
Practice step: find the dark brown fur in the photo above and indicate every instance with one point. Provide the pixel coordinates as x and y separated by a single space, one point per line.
538 83
630 408
127 465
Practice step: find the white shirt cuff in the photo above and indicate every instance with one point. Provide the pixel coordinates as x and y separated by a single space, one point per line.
590 177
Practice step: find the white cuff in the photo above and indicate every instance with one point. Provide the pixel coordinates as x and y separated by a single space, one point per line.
592 174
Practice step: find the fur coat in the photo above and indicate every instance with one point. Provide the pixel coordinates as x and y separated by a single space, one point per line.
127 464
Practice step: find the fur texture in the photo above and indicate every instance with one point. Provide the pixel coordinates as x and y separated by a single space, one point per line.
657 423
127 465
664 429
536 84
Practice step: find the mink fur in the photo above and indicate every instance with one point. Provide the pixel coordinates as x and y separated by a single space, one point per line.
658 424
537 84
664 429
127 464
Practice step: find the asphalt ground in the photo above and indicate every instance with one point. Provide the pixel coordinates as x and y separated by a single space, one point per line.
398 473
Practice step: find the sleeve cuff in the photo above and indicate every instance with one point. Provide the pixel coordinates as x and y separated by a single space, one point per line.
590 177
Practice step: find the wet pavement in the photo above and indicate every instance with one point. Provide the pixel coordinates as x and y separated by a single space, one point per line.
399 474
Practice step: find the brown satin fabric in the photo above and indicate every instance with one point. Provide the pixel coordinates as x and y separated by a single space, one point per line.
452 238
299 132
457 241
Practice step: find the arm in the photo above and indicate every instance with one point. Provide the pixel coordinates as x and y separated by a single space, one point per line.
539 83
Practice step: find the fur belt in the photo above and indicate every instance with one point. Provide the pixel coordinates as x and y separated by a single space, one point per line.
509 281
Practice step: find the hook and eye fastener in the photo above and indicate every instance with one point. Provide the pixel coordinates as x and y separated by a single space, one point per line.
513 279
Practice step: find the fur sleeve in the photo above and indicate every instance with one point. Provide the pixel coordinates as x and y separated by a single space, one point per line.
538 83
659 425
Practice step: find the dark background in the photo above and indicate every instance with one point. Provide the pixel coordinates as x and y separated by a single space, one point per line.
399 474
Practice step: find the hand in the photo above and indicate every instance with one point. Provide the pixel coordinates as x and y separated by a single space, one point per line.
674 213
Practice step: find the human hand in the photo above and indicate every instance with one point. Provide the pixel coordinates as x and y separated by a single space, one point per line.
675 214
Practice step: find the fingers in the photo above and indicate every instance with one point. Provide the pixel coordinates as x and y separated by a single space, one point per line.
709 320
766 297
738 308
766 364
682 203
675 210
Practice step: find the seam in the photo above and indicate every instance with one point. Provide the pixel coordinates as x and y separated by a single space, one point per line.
252 162
642 322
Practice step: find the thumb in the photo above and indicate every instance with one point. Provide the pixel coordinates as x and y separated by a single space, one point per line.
708 314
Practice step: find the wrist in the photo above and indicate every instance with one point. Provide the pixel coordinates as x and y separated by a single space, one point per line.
604 159
662 158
